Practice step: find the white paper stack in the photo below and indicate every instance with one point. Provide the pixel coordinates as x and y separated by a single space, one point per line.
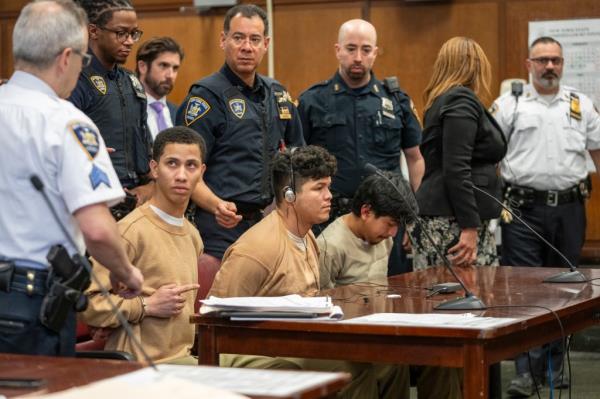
266 308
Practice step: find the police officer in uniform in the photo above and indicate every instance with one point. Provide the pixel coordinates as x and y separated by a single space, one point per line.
360 120
47 137
244 118
548 128
114 98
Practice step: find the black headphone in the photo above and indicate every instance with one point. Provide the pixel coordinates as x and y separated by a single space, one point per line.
289 192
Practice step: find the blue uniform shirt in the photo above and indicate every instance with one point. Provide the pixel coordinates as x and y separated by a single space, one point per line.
243 128
358 126
115 100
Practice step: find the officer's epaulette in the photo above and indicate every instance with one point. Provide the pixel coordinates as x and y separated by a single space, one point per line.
320 84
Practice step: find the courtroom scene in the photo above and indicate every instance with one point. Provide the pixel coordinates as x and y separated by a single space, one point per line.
300 199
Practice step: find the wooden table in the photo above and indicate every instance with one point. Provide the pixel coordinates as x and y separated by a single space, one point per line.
63 373
513 290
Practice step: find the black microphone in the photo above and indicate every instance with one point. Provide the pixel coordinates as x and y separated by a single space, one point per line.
39 186
572 276
516 89
470 301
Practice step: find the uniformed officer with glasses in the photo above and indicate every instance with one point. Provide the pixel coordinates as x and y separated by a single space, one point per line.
549 128
114 98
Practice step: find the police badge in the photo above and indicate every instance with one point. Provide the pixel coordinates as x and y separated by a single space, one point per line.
238 107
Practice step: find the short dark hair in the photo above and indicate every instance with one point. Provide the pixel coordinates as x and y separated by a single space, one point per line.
151 49
384 200
544 40
309 163
177 135
247 11
100 12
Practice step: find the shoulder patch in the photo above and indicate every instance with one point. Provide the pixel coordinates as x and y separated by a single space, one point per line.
87 138
137 86
99 83
238 107
195 109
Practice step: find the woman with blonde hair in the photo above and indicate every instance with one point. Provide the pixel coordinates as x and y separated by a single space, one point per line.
462 145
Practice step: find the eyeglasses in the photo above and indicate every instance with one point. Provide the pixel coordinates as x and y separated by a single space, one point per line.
123 35
86 59
254 40
545 60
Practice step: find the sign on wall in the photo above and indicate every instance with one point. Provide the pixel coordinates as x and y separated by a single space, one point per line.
580 39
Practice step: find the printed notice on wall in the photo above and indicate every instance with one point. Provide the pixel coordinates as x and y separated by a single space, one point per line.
580 39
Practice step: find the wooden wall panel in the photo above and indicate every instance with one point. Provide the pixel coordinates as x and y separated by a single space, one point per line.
304 42
410 38
198 34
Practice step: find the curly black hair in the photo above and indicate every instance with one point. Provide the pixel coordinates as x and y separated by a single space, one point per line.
308 163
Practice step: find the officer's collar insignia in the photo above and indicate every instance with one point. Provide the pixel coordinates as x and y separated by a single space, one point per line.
99 83
97 177
336 87
87 138
137 86
283 96
375 89
196 108
238 107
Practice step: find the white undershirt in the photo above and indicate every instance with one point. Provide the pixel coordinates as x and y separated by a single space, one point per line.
172 220
298 241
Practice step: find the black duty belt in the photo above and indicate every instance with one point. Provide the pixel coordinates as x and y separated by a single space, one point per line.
29 281
528 196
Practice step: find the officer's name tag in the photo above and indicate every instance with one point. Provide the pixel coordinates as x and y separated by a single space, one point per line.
387 108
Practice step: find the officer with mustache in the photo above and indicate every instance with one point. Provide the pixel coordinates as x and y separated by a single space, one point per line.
549 128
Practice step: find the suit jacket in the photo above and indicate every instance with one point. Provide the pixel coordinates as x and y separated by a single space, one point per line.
462 143
172 111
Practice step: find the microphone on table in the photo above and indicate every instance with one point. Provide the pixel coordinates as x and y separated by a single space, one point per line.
470 301
572 276
39 186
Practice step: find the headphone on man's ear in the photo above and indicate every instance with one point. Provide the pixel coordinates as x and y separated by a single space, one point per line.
289 192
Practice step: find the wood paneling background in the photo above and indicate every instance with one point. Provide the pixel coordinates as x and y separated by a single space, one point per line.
410 35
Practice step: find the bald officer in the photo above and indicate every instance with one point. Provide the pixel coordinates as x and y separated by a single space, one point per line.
360 120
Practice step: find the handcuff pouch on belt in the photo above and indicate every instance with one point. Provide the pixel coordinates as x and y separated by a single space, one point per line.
7 270
70 278
124 207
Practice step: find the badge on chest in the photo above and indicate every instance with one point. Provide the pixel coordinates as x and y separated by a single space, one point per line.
387 108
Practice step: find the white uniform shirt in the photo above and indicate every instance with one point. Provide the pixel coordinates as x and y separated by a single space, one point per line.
44 135
152 115
547 146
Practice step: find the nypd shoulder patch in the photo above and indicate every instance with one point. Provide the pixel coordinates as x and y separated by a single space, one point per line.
238 107
87 138
195 109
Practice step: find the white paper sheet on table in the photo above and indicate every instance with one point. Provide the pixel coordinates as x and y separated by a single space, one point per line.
464 320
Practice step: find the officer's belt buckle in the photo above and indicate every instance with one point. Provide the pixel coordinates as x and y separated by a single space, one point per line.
552 198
